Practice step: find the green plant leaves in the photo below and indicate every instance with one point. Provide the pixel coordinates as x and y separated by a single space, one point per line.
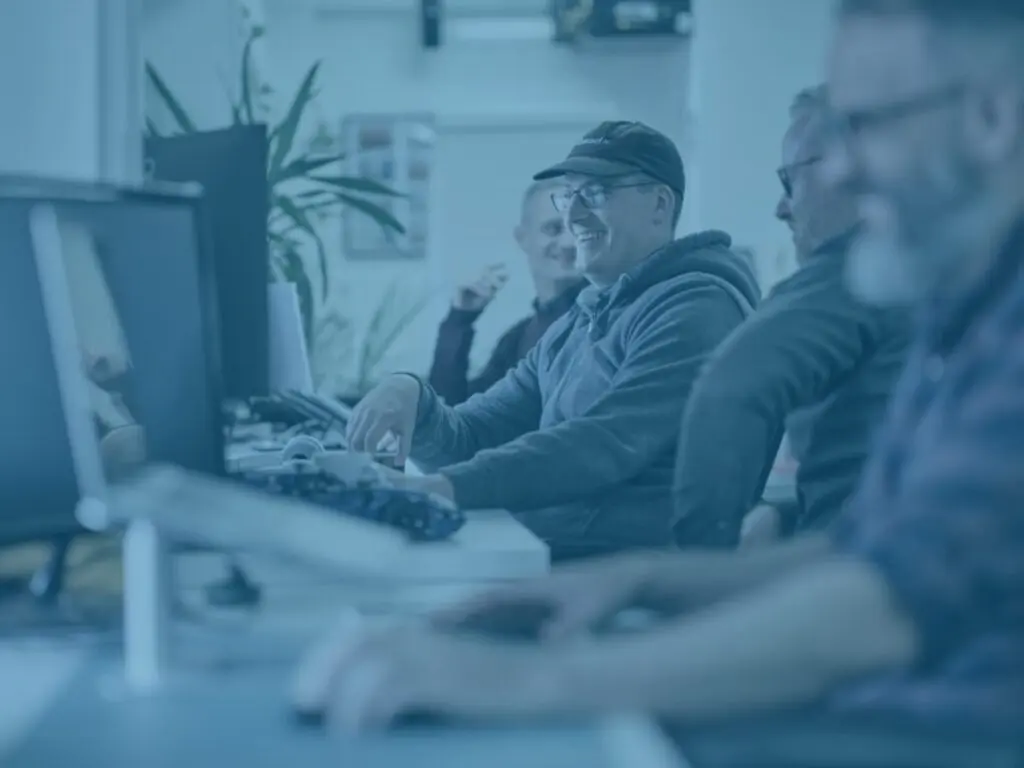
248 112
302 167
283 136
290 222
357 184
374 211
185 124
297 216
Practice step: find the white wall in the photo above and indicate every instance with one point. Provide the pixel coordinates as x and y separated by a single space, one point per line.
749 58
70 89
196 46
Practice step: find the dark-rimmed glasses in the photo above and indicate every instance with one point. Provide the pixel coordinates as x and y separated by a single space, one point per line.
593 194
854 122
786 172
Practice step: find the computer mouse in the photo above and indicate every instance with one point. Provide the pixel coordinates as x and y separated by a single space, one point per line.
301 447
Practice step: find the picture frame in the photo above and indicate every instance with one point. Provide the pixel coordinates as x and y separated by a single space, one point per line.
398 152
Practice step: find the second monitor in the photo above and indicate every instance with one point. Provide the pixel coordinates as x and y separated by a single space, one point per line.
231 166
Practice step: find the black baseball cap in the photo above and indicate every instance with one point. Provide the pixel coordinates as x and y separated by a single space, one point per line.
620 147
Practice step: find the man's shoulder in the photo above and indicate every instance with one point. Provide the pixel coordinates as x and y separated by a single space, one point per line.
819 288
820 280
691 289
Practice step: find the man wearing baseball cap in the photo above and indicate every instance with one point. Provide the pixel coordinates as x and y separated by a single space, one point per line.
579 439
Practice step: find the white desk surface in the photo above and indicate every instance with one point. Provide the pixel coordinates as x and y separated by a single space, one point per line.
64 703
493 545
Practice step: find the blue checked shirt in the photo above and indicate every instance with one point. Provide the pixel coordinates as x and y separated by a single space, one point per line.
940 510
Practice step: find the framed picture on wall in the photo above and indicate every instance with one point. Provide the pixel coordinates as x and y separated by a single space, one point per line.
398 152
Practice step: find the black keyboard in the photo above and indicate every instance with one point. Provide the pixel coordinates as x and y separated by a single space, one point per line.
421 516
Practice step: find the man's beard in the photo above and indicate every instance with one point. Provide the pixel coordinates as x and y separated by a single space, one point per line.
879 272
915 255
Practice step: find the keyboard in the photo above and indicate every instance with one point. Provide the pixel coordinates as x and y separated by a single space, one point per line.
420 516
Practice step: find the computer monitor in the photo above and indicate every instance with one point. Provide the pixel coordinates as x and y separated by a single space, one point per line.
145 312
231 166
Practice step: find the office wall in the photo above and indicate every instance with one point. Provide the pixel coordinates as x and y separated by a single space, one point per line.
196 46
749 59
70 89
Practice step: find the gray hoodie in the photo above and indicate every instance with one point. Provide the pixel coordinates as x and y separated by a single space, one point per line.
579 439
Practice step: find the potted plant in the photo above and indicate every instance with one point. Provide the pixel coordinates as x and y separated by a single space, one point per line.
303 184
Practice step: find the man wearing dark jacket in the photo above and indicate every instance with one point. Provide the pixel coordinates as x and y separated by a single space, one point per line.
809 345
551 257
579 439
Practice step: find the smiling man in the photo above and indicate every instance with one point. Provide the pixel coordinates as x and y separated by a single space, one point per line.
914 604
579 439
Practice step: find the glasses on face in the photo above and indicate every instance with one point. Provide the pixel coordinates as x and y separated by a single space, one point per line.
593 194
851 123
786 172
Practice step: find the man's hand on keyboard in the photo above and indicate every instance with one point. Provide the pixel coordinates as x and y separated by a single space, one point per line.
387 412
361 677
438 485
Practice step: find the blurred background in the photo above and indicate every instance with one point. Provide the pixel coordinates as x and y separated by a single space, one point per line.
405 131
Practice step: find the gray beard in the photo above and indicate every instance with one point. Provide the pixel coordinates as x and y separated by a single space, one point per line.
882 273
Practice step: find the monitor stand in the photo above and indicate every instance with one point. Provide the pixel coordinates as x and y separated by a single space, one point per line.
47 583
41 607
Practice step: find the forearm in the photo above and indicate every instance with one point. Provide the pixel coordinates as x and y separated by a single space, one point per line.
450 368
446 435
441 438
674 582
786 645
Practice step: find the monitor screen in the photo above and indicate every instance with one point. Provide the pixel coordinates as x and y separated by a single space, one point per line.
231 166
145 318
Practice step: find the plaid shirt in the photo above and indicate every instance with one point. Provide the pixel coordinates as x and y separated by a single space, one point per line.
940 510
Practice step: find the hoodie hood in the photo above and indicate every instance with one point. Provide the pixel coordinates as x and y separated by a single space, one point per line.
707 253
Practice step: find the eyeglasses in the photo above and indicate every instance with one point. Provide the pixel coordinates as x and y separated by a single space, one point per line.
855 122
593 194
786 172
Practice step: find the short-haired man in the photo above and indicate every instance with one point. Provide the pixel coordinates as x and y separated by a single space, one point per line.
810 344
912 606
579 439
551 258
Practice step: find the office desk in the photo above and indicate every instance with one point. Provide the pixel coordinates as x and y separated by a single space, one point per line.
492 547
228 709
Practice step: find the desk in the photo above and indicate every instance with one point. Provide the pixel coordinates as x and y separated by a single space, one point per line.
492 545
492 548
215 714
